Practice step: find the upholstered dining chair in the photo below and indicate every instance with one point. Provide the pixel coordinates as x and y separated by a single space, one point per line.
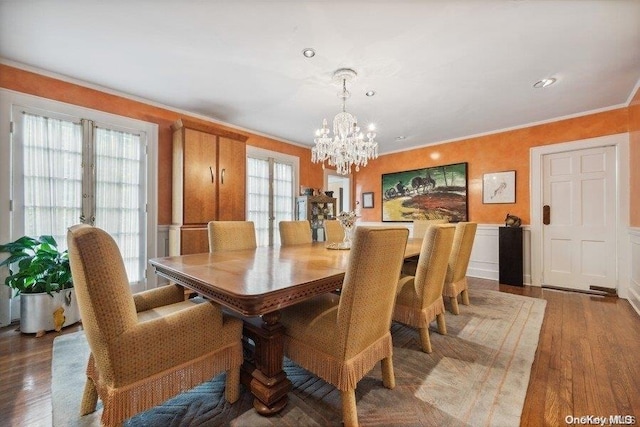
333 231
294 232
455 282
420 227
231 235
144 349
341 337
419 300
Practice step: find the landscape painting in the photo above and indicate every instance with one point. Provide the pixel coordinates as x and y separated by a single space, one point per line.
438 192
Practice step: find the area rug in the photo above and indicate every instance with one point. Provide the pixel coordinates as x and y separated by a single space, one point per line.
477 375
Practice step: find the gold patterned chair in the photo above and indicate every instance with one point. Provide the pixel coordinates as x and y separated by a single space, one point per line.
341 337
419 300
147 347
333 231
294 232
231 235
455 282
420 227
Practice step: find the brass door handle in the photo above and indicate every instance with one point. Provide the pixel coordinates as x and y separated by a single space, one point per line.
211 171
546 214
222 176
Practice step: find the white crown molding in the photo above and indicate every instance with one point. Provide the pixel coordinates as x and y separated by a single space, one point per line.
131 97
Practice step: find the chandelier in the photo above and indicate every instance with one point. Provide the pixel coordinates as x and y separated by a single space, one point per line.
348 145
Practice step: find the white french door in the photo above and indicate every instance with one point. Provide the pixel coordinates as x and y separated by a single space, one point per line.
68 170
271 183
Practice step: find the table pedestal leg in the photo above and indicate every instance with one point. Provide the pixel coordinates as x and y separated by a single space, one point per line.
262 370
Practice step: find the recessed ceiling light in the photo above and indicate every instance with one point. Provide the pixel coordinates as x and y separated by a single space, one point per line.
400 138
370 93
308 52
544 83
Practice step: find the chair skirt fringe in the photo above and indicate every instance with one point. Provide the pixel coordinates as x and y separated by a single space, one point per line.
121 403
418 318
342 374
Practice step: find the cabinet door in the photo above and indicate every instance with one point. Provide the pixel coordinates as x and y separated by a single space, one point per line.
232 164
199 177
194 241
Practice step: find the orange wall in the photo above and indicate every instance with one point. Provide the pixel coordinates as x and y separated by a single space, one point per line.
634 159
35 84
491 153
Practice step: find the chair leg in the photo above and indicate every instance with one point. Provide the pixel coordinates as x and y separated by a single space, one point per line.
442 325
89 398
232 385
388 377
425 340
465 297
349 411
454 305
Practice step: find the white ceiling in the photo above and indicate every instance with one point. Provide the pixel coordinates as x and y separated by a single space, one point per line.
441 70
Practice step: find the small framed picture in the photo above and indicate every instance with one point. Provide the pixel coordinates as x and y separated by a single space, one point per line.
499 187
367 200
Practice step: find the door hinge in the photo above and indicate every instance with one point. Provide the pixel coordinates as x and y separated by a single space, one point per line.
10 205
11 127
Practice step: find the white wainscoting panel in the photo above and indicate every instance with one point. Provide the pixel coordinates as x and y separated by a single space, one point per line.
634 284
484 255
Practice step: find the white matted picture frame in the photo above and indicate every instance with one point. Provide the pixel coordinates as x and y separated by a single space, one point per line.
499 187
367 200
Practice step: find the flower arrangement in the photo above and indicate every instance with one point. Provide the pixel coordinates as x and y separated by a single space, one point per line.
347 219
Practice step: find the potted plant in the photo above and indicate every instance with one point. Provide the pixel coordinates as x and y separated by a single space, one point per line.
40 273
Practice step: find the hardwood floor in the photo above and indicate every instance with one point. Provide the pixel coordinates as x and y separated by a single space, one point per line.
587 362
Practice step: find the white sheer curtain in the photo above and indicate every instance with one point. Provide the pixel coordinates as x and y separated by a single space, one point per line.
283 201
258 198
52 176
119 194
59 192
270 193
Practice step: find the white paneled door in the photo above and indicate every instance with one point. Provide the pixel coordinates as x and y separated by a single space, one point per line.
579 195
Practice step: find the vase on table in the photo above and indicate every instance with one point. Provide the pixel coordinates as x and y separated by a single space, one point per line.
348 222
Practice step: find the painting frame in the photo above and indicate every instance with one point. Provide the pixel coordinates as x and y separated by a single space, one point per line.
433 192
367 200
499 187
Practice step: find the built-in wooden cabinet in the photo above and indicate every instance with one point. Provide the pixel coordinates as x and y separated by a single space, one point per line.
316 209
209 180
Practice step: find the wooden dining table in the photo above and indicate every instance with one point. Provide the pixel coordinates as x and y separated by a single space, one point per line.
255 284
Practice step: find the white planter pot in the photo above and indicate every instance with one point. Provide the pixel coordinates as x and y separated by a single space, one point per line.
41 312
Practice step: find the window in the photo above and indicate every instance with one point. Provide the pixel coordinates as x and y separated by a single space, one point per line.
69 164
271 183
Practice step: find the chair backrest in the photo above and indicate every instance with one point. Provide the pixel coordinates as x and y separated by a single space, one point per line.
369 288
420 226
102 288
231 235
433 262
294 232
461 251
333 231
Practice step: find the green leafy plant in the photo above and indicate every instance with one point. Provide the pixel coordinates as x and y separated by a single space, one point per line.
41 266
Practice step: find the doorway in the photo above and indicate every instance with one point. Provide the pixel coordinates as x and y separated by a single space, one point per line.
341 187
577 242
